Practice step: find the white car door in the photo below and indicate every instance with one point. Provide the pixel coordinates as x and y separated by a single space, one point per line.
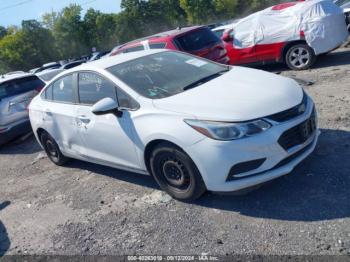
59 114
107 138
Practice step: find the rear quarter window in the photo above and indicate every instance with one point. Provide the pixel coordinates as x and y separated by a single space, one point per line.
62 90
197 39
20 86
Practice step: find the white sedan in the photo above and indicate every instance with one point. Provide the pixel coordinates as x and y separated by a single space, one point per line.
193 124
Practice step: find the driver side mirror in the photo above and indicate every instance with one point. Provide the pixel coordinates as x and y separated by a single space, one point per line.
106 106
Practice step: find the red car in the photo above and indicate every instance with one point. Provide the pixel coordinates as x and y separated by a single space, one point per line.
196 40
293 33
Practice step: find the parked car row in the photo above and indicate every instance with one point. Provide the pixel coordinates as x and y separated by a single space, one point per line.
70 63
293 33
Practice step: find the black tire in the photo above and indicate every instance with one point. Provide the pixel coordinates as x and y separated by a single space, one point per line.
176 173
52 150
300 57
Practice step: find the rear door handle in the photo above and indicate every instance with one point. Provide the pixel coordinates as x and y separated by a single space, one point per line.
84 119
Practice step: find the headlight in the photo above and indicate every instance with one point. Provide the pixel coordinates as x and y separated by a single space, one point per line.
228 131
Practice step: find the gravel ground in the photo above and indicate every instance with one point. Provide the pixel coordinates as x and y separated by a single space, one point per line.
89 209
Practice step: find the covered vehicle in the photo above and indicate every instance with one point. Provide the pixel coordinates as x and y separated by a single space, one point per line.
294 33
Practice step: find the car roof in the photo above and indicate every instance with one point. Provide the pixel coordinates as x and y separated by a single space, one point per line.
50 64
176 32
112 61
5 78
171 33
73 62
223 27
44 72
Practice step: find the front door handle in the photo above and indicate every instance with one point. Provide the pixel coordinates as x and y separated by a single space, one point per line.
84 119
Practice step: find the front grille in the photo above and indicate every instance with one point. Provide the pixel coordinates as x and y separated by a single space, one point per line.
299 134
293 157
290 113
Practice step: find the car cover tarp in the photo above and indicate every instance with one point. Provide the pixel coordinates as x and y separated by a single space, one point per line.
320 21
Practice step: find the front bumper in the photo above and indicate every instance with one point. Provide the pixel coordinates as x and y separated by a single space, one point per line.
7 133
219 157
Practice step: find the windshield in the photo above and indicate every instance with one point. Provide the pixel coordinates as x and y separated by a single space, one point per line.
165 74
20 86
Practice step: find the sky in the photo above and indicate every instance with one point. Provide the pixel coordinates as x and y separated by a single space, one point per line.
12 12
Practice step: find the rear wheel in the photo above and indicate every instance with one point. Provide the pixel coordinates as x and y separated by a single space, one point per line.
52 149
300 57
176 173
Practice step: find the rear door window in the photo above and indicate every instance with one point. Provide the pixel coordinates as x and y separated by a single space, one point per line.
62 90
93 87
196 40
20 86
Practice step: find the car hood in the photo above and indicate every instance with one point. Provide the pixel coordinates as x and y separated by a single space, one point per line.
239 95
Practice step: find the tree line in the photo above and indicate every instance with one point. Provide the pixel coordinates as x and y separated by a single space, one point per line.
69 34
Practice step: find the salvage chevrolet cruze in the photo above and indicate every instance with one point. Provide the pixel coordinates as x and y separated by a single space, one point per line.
193 124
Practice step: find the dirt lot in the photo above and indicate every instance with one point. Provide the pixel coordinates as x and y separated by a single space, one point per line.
91 209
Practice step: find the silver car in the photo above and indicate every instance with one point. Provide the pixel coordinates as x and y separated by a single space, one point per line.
16 92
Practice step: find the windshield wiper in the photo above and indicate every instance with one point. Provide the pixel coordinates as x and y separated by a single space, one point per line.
205 79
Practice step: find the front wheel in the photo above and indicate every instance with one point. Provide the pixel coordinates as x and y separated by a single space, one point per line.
176 173
52 149
300 57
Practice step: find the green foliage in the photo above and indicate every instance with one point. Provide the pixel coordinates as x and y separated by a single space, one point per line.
198 11
66 34
21 49
226 9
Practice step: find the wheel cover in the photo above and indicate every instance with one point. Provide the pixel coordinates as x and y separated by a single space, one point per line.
175 173
51 149
300 57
